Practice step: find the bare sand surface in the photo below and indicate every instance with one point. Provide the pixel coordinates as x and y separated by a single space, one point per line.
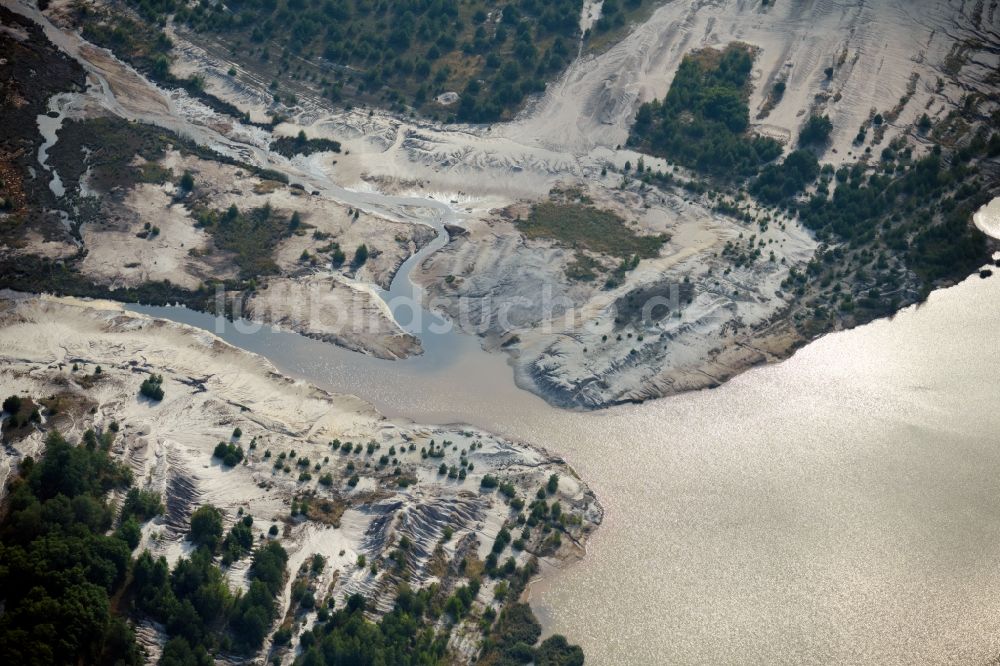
466 172
331 308
897 58
572 341
987 219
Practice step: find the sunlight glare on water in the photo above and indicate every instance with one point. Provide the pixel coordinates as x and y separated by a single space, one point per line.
841 506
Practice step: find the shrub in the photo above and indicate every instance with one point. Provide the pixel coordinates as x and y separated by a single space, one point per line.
779 182
556 651
238 542
815 131
517 626
230 454
12 404
141 504
361 255
151 387
129 532
206 527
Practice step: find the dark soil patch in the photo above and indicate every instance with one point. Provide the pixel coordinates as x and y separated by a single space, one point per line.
31 71
652 302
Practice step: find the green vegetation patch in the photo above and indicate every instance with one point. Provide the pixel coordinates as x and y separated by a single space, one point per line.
59 567
23 414
32 69
403 636
152 387
815 131
617 18
397 52
199 612
583 268
300 145
68 579
703 122
109 147
588 228
780 182
652 302
145 46
229 453
894 231
251 235
151 172
921 213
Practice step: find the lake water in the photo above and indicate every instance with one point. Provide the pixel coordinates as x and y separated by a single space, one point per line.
841 506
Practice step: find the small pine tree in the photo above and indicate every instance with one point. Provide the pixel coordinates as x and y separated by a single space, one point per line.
361 255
